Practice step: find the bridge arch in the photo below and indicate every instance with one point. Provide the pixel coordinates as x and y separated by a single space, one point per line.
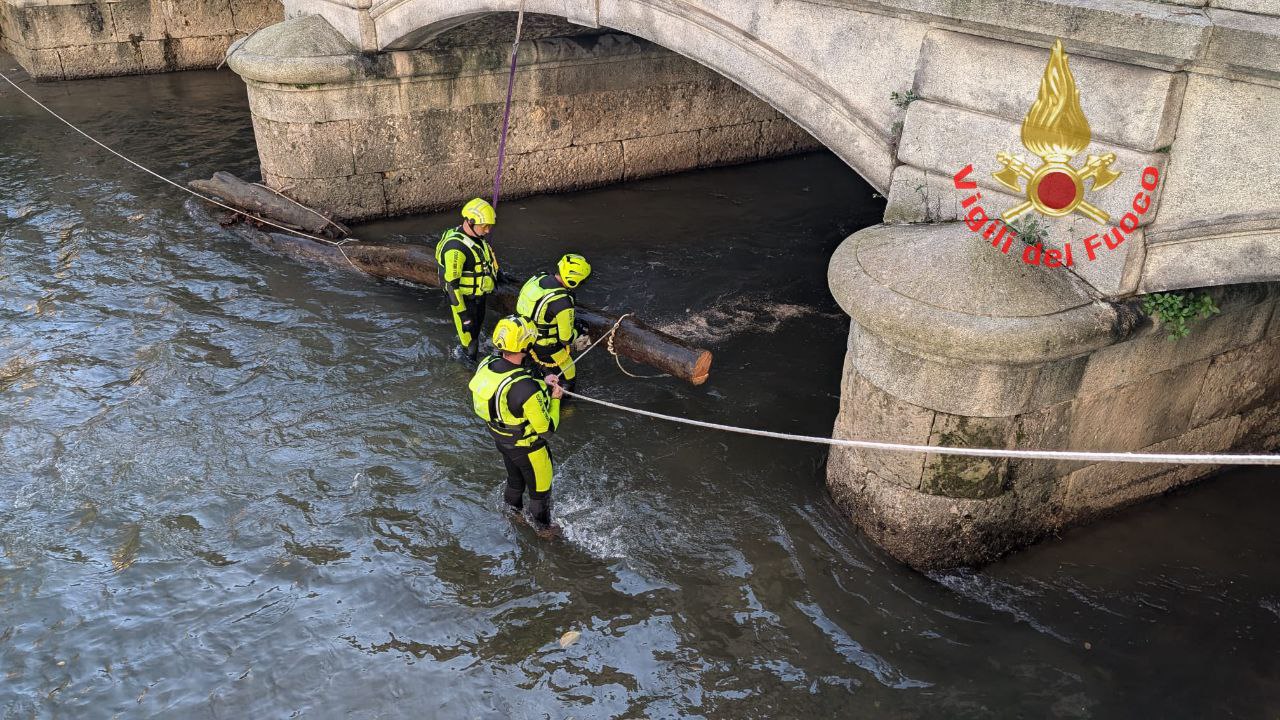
801 90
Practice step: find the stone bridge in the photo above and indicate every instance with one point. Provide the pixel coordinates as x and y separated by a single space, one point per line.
379 107
954 340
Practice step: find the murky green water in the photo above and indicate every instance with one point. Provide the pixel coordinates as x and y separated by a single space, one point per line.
236 486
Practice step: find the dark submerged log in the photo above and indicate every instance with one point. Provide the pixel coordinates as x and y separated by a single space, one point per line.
268 204
633 340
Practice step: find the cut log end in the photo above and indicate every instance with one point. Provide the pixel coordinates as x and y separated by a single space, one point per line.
701 368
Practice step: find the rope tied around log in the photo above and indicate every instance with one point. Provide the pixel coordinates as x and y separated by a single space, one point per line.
618 360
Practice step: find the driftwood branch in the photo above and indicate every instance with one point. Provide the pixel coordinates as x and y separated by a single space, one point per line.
268 204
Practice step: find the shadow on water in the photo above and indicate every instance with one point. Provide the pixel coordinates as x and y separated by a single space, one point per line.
239 486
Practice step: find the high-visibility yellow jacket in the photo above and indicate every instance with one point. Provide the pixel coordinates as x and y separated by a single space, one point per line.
515 404
549 305
467 265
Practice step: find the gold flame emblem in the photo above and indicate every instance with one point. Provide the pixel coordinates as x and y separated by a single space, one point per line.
1056 129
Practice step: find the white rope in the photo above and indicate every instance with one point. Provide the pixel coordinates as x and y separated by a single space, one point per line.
158 176
1165 458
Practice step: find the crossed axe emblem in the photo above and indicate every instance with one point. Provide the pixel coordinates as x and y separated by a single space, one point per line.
1057 199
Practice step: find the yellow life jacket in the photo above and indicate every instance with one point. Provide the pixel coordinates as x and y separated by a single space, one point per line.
532 305
489 390
481 271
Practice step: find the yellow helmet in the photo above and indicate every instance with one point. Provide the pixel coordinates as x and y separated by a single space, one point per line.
573 269
480 212
514 334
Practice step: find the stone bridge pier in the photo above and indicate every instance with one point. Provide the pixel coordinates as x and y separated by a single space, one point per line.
383 107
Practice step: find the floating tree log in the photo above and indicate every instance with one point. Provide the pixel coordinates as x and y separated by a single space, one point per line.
633 340
268 204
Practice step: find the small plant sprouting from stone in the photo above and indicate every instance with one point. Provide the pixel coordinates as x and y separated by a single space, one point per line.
1030 228
903 99
1176 309
1166 149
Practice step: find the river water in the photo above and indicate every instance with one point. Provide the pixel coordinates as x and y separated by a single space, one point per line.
238 486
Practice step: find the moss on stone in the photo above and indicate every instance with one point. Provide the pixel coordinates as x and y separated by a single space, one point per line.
962 476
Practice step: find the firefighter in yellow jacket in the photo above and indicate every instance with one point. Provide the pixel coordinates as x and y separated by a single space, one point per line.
548 302
468 271
520 410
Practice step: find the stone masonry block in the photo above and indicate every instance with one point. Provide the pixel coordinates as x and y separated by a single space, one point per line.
611 75
868 413
1109 486
820 38
966 477
156 56
571 168
1206 183
780 136
200 52
250 15
197 18
640 112
728 144
42 64
538 125
304 150
436 186
659 155
1261 7
84 61
1127 105
419 140
1244 40
1048 428
1139 414
287 103
138 20
945 139
357 197
57 26
1260 429
1211 259
1240 380
721 102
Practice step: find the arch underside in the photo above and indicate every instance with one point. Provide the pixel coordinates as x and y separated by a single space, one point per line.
793 89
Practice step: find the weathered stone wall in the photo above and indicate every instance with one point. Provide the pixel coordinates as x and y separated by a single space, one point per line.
970 350
56 40
418 130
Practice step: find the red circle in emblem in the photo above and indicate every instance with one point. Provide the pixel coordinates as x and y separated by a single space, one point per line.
1056 190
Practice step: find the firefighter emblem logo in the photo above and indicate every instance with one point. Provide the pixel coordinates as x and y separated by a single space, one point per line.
1056 129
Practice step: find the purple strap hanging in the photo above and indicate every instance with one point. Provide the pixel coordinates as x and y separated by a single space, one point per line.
506 114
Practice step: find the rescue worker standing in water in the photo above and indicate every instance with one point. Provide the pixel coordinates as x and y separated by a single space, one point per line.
468 271
548 302
520 410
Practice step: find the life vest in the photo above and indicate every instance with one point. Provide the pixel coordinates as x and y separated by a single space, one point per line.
481 271
532 305
489 390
